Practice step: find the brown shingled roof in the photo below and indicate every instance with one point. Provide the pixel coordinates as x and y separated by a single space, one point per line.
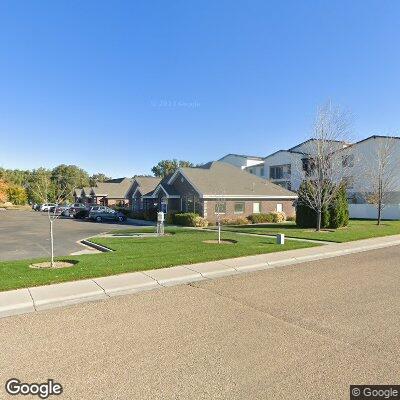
219 178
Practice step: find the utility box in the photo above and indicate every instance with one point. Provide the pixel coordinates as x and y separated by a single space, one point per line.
160 216
280 238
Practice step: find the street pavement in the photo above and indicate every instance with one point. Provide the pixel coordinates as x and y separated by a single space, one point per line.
25 234
304 331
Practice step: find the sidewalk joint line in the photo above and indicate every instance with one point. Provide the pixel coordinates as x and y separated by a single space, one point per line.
33 301
101 288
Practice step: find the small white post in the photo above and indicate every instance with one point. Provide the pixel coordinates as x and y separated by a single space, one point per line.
280 238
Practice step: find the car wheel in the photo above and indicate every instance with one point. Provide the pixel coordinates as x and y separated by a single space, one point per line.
121 219
99 219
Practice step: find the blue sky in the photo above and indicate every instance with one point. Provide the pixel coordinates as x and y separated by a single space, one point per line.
116 86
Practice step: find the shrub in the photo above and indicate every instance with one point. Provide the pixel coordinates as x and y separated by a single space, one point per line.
150 215
278 216
136 215
339 210
235 221
291 218
261 218
189 219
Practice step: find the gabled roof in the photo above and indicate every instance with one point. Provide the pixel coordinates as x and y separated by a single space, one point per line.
165 187
243 156
313 140
146 184
113 190
221 179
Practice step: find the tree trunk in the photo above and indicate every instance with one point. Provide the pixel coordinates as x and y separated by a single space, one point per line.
379 212
52 243
219 231
319 216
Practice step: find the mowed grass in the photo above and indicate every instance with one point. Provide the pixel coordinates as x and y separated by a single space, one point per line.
357 229
139 254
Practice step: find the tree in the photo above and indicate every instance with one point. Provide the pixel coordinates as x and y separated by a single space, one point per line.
381 172
17 195
99 177
52 187
67 177
324 170
166 167
3 191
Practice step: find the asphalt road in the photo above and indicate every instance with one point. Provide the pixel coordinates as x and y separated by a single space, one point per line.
299 332
25 234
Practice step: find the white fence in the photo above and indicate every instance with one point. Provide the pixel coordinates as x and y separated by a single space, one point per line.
369 211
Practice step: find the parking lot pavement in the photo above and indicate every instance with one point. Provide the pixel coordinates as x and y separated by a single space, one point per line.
25 234
306 331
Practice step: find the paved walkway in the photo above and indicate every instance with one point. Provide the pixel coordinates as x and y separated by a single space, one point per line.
43 297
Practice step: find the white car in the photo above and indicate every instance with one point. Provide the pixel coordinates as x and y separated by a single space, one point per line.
47 206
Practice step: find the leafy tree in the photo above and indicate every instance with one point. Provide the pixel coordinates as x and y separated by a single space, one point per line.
67 177
165 167
3 191
17 195
99 177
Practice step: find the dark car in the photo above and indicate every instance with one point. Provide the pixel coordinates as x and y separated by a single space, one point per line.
101 213
76 208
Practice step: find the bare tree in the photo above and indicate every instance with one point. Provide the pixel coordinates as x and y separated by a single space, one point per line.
380 172
50 189
322 168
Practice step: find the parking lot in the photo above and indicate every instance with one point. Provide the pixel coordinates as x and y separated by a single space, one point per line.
25 234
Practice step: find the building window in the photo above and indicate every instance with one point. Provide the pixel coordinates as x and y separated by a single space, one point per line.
251 170
256 208
280 171
279 207
348 160
239 208
220 208
262 171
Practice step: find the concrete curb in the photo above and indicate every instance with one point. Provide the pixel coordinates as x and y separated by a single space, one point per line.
22 301
96 246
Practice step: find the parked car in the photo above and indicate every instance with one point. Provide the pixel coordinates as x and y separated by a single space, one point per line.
61 210
102 213
75 208
81 214
36 207
47 207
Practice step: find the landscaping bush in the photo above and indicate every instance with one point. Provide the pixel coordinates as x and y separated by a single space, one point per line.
151 214
291 218
136 215
189 219
339 210
278 216
235 221
261 218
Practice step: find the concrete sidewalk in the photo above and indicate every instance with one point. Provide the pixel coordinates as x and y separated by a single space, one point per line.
44 297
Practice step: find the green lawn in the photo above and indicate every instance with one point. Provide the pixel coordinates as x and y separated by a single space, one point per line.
357 229
137 254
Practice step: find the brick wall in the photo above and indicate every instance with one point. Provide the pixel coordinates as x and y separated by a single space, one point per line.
266 207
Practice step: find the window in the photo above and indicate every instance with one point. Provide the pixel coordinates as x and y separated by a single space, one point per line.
220 208
279 207
256 208
348 160
262 171
239 208
280 171
251 170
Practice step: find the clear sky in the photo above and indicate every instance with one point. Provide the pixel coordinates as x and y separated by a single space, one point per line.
115 86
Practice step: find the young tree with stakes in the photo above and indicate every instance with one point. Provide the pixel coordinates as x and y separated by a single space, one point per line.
50 189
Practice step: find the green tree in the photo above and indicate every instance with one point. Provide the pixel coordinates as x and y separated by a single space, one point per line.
99 177
166 167
17 195
66 178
